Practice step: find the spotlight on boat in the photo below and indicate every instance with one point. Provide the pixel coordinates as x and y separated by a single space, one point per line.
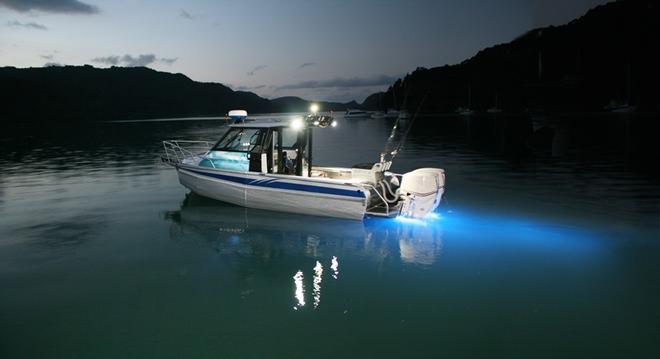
314 108
297 123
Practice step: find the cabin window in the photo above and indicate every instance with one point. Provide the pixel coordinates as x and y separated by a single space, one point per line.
289 149
238 150
289 138
295 152
241 140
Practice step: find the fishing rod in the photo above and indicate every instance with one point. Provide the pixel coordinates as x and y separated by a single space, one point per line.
397 148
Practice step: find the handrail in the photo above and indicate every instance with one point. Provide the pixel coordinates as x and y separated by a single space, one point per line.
176 153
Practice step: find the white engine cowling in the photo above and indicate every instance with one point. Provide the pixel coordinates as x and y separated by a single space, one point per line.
421 191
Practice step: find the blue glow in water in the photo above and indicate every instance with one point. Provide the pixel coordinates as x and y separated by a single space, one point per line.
234 239
482 229
428 219
412 221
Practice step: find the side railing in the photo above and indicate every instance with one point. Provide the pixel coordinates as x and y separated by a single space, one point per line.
183 151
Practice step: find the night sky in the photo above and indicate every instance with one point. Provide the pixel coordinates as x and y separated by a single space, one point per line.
316 49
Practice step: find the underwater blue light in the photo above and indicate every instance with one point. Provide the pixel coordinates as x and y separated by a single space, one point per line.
415 221
429 218
479 229
432 217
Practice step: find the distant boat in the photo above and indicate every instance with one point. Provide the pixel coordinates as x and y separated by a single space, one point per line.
463 111
391 113
378 115
353 113
466 111
618 107
623 107
495 109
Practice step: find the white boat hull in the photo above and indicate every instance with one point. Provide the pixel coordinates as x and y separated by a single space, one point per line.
277 192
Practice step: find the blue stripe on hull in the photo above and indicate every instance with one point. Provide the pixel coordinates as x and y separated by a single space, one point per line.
274 183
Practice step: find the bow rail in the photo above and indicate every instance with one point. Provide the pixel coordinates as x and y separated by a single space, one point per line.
184 151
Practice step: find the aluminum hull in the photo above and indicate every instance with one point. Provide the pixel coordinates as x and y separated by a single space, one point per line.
281 193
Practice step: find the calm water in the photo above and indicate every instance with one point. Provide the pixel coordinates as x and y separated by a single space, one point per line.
104 255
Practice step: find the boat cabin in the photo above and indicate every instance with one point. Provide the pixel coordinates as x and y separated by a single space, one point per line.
264 147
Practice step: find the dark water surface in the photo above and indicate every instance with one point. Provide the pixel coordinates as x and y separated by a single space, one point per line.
104 255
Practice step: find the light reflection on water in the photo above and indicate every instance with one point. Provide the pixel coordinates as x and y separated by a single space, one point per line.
99 245
318 278
300 289
334 265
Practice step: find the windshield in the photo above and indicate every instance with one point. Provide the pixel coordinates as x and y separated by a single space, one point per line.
240 140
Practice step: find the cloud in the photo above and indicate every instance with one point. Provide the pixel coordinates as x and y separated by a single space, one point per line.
186 15
248 88
26 25
141 60
380 80
133 61
58 6
255 69
46 57
108 60
168 61
307 64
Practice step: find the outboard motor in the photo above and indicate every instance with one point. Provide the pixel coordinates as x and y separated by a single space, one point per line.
421 191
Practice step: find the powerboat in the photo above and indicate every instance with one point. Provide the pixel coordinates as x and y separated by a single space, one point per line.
391 113
352 113
464 111
268 165
619 107
378 115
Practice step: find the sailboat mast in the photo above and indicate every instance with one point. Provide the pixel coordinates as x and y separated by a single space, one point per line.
628 85
469 96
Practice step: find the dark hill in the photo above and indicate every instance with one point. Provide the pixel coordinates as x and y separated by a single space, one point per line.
86 93
374 101
609 54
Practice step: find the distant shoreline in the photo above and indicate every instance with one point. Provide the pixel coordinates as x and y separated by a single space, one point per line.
203 118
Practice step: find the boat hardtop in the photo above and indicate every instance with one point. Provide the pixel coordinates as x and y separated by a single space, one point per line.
269 165
258 124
